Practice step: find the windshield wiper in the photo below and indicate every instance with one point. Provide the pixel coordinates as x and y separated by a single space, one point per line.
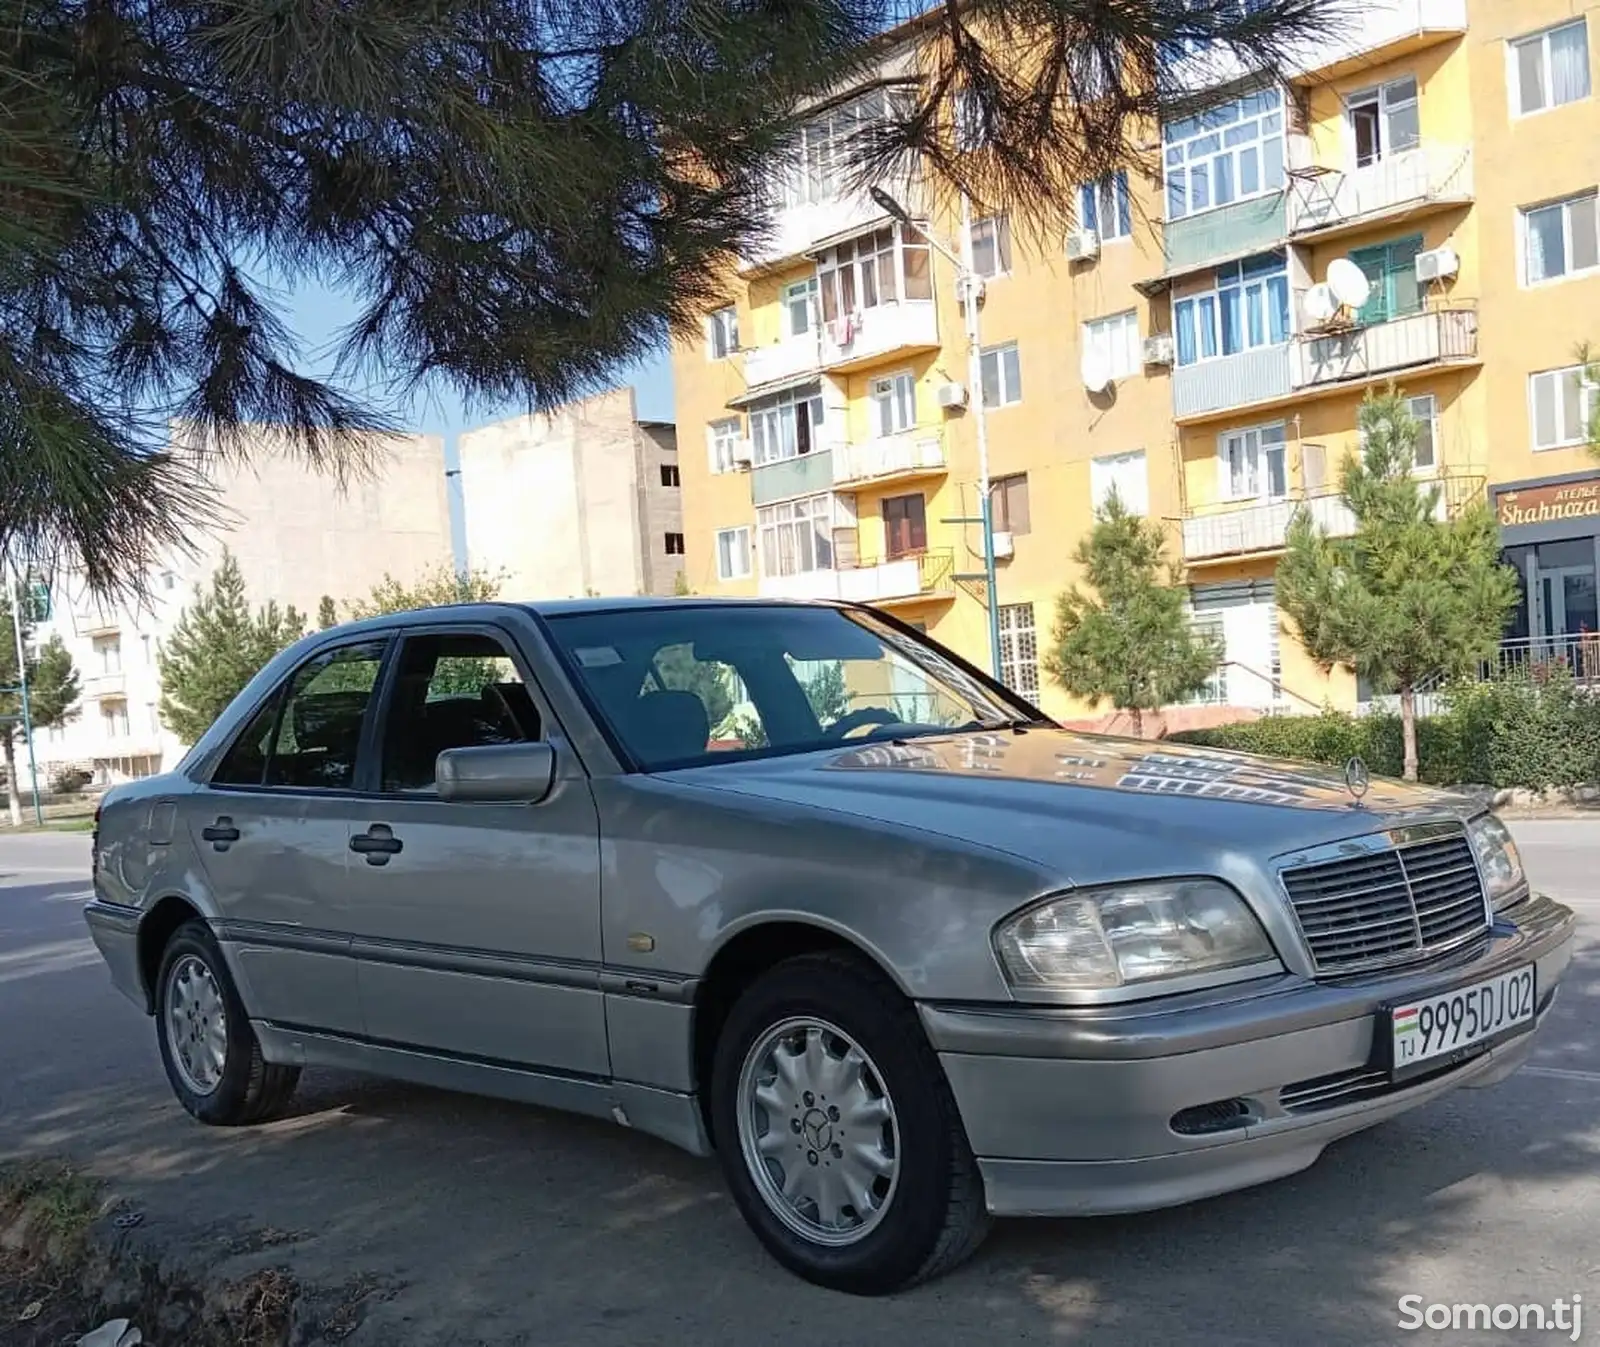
1016 724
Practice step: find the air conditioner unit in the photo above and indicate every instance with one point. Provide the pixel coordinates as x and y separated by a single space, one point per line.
1082 244
1436 264
1003 545
744 453
952 395
1158 349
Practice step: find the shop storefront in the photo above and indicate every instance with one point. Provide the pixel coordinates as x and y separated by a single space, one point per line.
1550 532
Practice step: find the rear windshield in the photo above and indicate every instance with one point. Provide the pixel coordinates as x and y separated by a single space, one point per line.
687 684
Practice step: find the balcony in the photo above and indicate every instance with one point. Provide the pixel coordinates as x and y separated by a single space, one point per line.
1223 234
796 230
873 335
1447 335
105 686
1327 201
781 361
890 458
897 580
91 621
1226 531
1212 386
804 475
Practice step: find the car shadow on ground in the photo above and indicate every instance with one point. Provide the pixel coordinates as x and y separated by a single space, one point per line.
497 1223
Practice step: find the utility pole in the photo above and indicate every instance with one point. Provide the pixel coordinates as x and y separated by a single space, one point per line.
22 688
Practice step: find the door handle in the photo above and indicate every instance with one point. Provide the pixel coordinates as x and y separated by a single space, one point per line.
377 844
220 834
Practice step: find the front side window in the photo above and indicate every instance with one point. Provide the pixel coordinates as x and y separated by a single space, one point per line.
796 536
1105 207
1248 309
786 425
1226 153
1563 406
1252 463
456 690
1001 369
1384 121
1392 269
722 333
1561 238
733 553
1549 69
722 439
894 404
1114 341
686 684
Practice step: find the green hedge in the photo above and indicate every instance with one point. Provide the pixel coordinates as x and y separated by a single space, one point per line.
1534 731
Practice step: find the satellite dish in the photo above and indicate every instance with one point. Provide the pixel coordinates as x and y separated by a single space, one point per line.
1320 302
1096 370
1348 282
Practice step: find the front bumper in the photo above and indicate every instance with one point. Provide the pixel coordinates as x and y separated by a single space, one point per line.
116 934
1070 1110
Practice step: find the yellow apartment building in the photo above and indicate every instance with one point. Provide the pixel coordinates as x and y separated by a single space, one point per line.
1415 205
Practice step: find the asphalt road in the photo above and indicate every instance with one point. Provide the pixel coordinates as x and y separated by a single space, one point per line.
480 1222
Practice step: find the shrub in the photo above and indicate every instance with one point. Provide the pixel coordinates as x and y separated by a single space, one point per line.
69 780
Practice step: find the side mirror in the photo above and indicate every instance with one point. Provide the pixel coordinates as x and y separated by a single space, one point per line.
496 773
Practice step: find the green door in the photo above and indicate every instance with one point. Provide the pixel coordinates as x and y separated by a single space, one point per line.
1391 267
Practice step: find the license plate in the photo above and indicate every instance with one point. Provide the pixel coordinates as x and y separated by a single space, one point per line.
1452 1026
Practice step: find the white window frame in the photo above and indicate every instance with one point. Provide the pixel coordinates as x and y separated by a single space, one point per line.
804 294
1263 494
971 131
738 544
1546 92
1588 403
901 244
114 718
816 166
1111 470
1268 120
1116 336
1006 394
999 228
722 332
1424 408
1568 206
1109 194
778 418
1018 670
1257 288
1388 102
786 525
894 403
722 437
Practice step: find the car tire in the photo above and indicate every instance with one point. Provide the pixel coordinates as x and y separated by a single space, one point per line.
211 1054
929 1214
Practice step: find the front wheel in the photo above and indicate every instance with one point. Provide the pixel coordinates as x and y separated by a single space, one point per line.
211 1054
838 1133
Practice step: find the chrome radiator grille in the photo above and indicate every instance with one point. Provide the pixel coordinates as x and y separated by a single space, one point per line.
1386 907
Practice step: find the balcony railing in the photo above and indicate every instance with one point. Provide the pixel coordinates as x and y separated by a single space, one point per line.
913 453
1323 198
786 359
105 685
871 334
1443 334
1232 381
870 581
1577 653
1226 530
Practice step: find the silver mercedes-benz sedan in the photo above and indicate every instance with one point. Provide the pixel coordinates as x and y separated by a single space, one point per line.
792 884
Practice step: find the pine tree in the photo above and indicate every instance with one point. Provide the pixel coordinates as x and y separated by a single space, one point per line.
327 613
217 646
1409 595
52 693
1131 642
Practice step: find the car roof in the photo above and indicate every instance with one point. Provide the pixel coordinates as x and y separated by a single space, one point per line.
570 607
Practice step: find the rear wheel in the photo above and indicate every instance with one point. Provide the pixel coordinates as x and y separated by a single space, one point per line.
838 1132
211 1054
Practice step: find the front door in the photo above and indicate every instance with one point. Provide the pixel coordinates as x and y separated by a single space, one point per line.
477 926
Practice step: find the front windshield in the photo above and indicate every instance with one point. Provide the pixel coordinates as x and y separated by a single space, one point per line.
690 683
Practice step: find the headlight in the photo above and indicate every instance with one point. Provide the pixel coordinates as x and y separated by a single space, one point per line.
1499 860
1109 937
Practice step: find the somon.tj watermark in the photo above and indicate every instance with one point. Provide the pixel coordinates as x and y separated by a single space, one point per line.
1563 1315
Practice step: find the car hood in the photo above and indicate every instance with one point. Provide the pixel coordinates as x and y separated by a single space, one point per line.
1085 804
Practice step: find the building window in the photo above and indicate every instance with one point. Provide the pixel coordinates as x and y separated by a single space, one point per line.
1248 309
1115 342
1209 626
1392 269
669 474
674 544
796 536
1550 68
1425 453
905 525
1251 463
722 333
1127 475
107 654
1105 207
816 166
1008 505
884 267
894 404
722 439
800 306
1384 121
1563 405
1227 153
1560 239
153 715
733 553
1019 650
114 719
1002 375
972 131
991 246
168 580
787 425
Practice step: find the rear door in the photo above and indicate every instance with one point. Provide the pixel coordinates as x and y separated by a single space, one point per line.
272 829
477 926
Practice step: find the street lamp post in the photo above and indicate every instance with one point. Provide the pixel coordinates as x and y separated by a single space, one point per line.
969 286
